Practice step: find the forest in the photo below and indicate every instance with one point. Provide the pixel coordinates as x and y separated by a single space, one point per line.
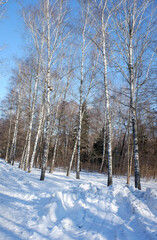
84 95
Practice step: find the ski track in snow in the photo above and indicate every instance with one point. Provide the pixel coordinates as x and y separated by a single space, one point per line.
67 209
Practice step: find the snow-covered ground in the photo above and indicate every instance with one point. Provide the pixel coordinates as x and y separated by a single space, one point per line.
65 208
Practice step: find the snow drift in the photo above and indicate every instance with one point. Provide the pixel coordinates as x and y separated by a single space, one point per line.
65 208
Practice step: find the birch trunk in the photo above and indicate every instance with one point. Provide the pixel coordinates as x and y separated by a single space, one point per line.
109 135
40 126
75 146
76 141
47 137
66 149
39 151
104 146
57 138
135 144
130 154
47 105
13 146
22 161
79 141
132 82
128 165
9 135
30 128
72 158
135 32
33 109
81 96
41 120
121 155
130 157
54 155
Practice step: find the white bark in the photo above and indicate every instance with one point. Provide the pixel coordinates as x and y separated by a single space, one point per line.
9 135
132 82
108 118
76 141
22 160
33 110
79 141
80 115
134 31
104 12
130 154
13 146
135 142
58 128
41 121
72 158
35 23
19 93
84 46
47 103
56 33
54 155
104 146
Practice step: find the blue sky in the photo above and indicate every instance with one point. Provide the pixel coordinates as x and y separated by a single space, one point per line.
11 42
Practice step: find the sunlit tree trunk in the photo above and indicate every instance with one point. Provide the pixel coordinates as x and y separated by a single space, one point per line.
72 158
104 13
47 102
108 118
40 125
13 145
31 119
76 140
134 26
132 82
84 46
53 32
128 163
59 125
104 146
9 135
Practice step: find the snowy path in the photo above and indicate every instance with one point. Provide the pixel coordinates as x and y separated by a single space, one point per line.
67 209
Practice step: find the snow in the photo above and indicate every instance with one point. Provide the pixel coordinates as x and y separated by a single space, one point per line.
67 209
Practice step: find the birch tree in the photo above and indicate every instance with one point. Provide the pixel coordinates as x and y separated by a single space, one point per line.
38 134
134 26
35 24
9 133
101 13
55 22
84 46
67 76
19 96
92 77
58 127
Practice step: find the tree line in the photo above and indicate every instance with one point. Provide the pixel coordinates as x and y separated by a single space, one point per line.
84 96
